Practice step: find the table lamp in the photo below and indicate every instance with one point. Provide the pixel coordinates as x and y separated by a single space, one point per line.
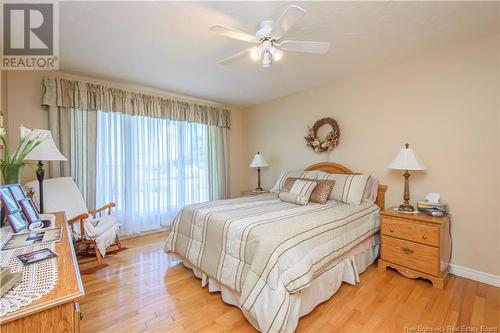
45 151
406 160
258 162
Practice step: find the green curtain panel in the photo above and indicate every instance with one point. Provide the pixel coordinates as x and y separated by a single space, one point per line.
83 128
75 133
218 162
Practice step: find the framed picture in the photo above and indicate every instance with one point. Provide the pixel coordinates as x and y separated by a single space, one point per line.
17 192
29 210
8 202
36 256
17 221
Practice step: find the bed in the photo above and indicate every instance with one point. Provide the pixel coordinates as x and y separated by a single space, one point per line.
275 260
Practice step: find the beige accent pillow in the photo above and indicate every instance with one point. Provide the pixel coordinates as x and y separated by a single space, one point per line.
371 189
320 193
299 193
278 186
348 188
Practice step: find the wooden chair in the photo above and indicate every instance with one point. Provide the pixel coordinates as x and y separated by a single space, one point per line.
92 230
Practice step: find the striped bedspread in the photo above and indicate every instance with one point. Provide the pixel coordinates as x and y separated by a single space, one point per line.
266 249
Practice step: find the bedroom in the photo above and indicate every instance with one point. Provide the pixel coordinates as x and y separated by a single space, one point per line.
147 118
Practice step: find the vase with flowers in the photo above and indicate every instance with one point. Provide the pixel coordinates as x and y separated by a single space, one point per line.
12 164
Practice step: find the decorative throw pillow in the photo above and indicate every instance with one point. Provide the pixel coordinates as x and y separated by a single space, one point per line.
299 193
278 186
371 189
320 193
348 188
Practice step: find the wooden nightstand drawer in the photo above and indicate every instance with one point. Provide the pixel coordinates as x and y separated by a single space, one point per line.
410 230
419 257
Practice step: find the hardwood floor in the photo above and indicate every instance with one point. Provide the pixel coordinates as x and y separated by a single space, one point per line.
145 290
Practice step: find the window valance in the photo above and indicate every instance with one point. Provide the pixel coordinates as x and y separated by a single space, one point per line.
81 95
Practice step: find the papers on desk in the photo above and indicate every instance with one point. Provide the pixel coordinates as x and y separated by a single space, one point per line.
32 238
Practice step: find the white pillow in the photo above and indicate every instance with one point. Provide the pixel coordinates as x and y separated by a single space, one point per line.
348 188
280 182
371 189
299 193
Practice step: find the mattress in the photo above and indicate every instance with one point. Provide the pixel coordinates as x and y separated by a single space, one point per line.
266 250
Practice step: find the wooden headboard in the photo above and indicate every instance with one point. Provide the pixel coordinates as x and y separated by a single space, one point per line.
329 167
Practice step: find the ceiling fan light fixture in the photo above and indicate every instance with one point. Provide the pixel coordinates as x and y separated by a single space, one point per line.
277 54
255 53
266 59
268 41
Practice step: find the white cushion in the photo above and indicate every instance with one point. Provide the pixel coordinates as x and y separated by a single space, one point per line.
348 188
299 193
96 227
280 182
60 194
107 238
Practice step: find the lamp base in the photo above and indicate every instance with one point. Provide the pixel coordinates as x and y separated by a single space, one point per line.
259 189
40 174
406 208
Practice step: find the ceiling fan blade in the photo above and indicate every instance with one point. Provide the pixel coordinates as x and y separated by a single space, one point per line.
305 46
234 57
290 16
233 33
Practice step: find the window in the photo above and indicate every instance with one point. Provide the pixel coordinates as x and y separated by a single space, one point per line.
150 167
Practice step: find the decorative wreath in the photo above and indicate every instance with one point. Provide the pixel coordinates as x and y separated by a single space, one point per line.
331 140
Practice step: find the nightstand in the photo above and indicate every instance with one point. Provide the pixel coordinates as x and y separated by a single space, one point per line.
416 245
247 193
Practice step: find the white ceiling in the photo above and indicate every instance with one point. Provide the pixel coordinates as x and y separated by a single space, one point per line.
167 45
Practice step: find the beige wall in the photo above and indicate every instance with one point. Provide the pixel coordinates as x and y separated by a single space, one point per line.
24 96
445 104
3 95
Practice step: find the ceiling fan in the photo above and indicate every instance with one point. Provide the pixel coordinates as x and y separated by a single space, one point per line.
268 38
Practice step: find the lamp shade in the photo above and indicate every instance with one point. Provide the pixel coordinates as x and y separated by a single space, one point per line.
46 150
258 161
406 159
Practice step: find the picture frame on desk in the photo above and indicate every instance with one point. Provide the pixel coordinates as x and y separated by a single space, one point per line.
8 201
36 256
17 221
17 192
29 210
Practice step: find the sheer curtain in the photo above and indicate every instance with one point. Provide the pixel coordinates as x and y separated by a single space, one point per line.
150 167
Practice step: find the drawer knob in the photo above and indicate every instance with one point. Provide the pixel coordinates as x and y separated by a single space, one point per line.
424 237
407 250
391 230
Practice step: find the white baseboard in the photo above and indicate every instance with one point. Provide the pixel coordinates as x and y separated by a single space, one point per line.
472 274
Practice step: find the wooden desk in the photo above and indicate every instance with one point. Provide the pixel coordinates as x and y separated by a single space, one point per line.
58 311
